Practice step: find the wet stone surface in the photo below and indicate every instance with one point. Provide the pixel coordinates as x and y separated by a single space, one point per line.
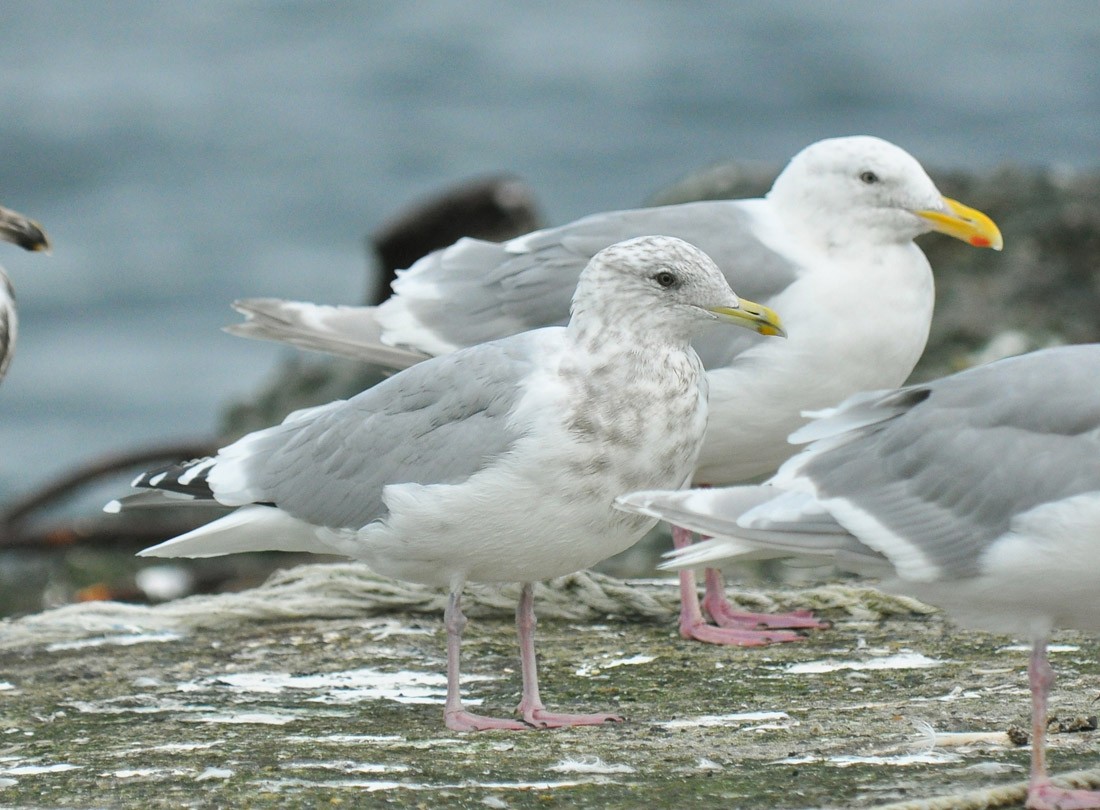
349 713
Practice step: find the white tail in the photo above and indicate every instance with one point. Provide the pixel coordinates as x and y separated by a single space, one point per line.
345 331
252 528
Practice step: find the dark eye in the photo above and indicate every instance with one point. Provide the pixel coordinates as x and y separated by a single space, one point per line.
665 278
868 177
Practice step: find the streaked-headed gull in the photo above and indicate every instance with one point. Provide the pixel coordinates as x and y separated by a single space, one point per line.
28 234
979 492
500 462
837 227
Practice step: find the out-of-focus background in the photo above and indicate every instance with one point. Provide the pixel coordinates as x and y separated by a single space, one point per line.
184 155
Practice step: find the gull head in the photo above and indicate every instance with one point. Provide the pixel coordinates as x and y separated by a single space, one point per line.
664 284
19 230
863 188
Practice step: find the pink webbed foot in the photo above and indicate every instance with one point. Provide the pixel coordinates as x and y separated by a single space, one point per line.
725 615
455 715
736 628
540 718
694 628
1045 796
530 705
463 720
732 636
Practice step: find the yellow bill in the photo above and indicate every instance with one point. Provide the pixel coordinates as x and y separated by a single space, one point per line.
751 315
965 223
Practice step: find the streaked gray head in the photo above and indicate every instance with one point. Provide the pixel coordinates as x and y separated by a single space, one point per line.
661 288
652 279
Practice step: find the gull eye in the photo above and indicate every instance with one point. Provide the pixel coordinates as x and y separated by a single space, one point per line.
868 177
665 278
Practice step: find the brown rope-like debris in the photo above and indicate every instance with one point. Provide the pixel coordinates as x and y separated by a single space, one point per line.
349 590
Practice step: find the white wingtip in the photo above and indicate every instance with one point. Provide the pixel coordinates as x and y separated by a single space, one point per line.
709 511
640 503
112 507
709 553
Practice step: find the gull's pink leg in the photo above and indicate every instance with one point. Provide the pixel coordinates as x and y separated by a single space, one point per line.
692 624
530 705
724 614
1041 793
455 716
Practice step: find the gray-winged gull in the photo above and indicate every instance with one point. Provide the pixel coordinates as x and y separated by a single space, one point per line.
495 463
28 234
979 492
837 227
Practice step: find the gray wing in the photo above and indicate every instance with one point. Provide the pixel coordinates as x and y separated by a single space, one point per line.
477 291
438 422
947 471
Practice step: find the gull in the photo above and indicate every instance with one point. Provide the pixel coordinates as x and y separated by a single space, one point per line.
978 492
496 463
28 234
836 228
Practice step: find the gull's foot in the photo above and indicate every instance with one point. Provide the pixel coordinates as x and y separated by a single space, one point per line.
467 721
1045 796
725 615
540 718
733 636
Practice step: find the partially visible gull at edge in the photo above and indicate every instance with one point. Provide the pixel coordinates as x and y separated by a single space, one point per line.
27 234
835 233
979 493
497 463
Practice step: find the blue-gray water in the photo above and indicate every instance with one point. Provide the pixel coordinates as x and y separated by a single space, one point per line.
185 154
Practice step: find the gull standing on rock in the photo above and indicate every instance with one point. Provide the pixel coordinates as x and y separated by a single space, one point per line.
497 463
979 492
28 234
834 234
